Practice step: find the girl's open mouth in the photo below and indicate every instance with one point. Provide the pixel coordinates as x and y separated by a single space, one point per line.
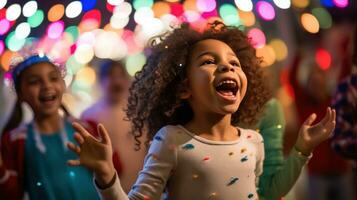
228 89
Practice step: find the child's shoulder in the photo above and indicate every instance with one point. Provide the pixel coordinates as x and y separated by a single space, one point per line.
16 134
252 135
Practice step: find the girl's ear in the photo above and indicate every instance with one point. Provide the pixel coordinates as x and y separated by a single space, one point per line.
184 91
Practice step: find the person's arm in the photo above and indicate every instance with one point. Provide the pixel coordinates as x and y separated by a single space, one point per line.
11 187
279 176
95 155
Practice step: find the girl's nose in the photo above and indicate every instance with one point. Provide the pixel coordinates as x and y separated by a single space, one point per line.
225 68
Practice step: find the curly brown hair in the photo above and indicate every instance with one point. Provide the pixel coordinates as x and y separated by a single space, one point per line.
153 100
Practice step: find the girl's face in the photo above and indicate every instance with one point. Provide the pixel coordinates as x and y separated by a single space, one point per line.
41 86
116 84
216 82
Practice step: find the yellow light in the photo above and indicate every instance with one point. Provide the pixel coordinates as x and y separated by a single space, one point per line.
86 76
161 8
6 59
300 3
280 49
267 54
310 23
190 5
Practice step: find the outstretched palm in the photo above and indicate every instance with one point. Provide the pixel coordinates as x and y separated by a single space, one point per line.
94 154
312 135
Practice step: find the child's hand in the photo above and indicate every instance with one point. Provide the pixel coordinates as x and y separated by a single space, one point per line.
94 154
312 135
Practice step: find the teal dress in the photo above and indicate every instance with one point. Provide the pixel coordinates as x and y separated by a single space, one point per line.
47 175
279 174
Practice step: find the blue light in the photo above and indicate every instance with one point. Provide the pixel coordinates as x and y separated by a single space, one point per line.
88 4
327 3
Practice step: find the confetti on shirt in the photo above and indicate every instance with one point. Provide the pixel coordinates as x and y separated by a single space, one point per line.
232 181
245 158
188 147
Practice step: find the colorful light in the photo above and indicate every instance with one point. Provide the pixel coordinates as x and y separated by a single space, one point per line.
55 29
88 4
135 63
190 5
268 55
323 16
191 16
125 8
323 59
206 5
2 47
6 59
22 30
13 43
86 38
244 5
36 19
74 9
13 12
265 10
327 3
73 65
283 4
137 4
119 20
280 49
248 18
310 23
29 8
176 9
84 53
300 3
2 13
86 76
341 3
143 14
73 32
161 8
4 26
55 13
109 45
91 20
229 14
169 20
114 2
2 3
257 36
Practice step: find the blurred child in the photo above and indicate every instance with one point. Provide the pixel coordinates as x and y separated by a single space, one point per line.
33 156
109 110
189 97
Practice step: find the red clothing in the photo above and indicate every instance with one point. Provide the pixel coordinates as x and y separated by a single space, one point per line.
325 161
13 157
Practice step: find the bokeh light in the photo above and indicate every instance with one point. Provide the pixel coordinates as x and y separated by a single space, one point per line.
323 16
88 4
341 3
29 8
73 32
119 20
247 18
84 53
109 45
13 43
4 26
206 5
300 3
267 54
310 23
280 49
13 12
124 8
137 4
73 65
36 19
2 3
86 75
22 30
327 3
229 14
6 59
55 13
265 10
257 36
244 5
283 4
190 5
73 9
323 58
114 2
161 8
135 63
55 29
143 14
2 47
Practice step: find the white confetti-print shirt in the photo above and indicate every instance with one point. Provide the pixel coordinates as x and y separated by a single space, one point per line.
194 168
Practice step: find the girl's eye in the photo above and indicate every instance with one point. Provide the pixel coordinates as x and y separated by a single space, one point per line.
236 64
208 62
32 82
54 78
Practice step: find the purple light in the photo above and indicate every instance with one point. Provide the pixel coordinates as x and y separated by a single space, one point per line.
341 3
206 5
55 29
2 47
257 36
265 10
4 26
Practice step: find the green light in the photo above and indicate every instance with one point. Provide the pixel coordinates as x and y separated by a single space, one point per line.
135 63
229 14
36 19
73 66
323 16
73 31
142 3
13 43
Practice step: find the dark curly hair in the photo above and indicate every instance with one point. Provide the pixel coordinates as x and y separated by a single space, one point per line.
153 100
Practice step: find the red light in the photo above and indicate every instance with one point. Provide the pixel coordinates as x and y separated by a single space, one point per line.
323 59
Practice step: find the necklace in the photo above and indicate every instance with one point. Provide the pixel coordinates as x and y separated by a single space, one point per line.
38 141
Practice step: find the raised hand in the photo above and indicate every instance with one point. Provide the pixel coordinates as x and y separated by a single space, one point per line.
94 154
312 135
